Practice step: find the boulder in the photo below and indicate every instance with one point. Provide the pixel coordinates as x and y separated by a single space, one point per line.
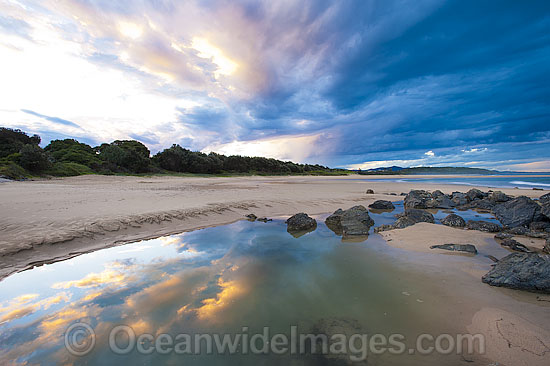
419 199
483 226
453 220
544 198
437 193
300 222
545 208
443 202
546 248
382 205
520 230
481 205
523 271
370 191
418 215
351 222
264 219
460 199
498 197
474 194
467 248
539 226
515 245
520 211
403 222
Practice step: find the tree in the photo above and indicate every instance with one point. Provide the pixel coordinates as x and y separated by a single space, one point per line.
11 141
33 158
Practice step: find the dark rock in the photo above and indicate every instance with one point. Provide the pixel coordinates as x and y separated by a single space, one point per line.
419 215
545 207
382 205
544 198
419 199
264 219
474 194
515 245
251 217
334 223
481 205
437 193
523 271
384 227
539 226
498 197
482 226
403 222
403 194
351 222
537 189
468 248
443 202
502 236
520 211
520 230
300 222
393 194
370 191
546 248
536 234
460 199
454 221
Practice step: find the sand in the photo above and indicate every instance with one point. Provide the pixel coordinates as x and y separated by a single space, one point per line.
49 220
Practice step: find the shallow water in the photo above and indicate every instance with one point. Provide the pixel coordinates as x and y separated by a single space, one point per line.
219 280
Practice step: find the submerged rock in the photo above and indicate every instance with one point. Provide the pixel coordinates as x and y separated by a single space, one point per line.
264 219
453 220
483 226
300 224
522 271
351 222
468 248
382 205
520 211
515 245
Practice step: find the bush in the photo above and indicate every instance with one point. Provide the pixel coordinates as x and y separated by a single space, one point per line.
13 171
34 159
11 141
69 169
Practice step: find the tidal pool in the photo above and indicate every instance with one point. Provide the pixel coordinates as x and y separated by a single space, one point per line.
232 279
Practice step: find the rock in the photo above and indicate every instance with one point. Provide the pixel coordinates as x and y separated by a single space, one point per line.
264 219
536 234
453 220
403 222
419 199
334 223
544 198
460 199
443 202
468 248
474 194
520 230
382 205
251 217
402 194
482 226
546 248
351 222
482 205
520 211
384 227
493 258
370 191
393 194
419 215
300 222
502 236
437 193
523 271
545 207
539 226
515 245
537 189
498 197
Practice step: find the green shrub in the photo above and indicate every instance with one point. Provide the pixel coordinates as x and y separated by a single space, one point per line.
69 169
13 171
34 159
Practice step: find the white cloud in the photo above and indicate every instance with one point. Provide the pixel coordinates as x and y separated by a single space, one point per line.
429 153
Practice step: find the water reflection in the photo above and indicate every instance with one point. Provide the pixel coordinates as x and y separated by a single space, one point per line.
212 280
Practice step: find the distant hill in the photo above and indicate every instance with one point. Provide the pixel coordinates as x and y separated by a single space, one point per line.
426 170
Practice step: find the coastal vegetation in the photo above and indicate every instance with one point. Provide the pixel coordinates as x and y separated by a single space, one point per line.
21 157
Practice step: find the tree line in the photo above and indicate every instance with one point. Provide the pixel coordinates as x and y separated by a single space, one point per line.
21 157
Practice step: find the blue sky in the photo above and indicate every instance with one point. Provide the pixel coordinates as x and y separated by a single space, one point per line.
348 83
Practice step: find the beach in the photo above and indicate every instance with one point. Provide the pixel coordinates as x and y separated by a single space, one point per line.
45 221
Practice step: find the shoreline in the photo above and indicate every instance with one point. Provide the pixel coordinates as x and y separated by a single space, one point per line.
51 220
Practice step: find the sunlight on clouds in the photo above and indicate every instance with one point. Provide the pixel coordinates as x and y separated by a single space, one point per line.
130 30
295 148
225 65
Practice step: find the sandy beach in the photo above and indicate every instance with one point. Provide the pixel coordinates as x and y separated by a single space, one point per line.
45 221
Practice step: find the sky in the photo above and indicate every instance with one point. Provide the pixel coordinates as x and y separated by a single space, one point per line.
355 84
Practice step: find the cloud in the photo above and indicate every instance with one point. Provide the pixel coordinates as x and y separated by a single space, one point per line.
429 153
383 81
58 120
